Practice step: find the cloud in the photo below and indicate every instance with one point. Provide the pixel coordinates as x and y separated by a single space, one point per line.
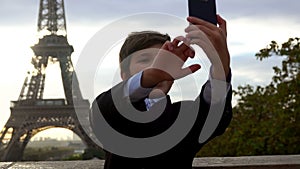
105 10
18 12
246 69
22 12
260 9
102 10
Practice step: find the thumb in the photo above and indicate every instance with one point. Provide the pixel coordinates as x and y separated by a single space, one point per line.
194 67
167 46
189 70
222 24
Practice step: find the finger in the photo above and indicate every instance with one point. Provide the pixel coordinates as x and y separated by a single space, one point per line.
176 41
166 45
182 39
197 41
181 46
170 46
191 28
189 53
189 70
194 68
222 24
199 34
206 46
198 21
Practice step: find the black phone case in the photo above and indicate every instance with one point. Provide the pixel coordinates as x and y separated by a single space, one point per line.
203 9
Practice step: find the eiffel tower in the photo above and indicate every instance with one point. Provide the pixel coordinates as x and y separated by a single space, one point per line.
31 114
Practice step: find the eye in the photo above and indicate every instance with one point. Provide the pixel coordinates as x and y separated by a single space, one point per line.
144 60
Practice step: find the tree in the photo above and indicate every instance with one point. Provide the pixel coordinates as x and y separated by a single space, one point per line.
266 119
90 153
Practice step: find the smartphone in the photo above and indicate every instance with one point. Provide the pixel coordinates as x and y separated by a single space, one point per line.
203 9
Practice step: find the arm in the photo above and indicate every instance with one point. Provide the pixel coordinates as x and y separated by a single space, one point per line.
214 114
223 101
134 90
217 85
216 93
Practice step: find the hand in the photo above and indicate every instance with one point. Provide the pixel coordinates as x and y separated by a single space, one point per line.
213 40
161 89
167 65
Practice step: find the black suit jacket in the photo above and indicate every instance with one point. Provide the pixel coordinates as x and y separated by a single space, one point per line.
182 154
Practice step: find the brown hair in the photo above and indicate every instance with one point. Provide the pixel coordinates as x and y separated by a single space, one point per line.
138 41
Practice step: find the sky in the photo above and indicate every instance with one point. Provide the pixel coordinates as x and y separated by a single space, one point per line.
252 25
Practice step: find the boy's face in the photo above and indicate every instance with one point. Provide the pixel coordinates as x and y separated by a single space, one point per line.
141 60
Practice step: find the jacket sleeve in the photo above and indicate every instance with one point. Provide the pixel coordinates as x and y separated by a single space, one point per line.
214 113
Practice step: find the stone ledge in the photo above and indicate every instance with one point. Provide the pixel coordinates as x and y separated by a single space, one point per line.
244 162
249 162
88 164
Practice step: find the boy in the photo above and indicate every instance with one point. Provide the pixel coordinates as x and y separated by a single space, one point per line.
149 64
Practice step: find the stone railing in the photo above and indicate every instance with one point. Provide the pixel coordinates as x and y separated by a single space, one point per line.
245 162
249 162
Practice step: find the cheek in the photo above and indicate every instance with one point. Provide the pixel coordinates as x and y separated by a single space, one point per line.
137 68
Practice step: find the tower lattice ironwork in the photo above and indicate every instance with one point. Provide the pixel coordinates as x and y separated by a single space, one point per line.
31 113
